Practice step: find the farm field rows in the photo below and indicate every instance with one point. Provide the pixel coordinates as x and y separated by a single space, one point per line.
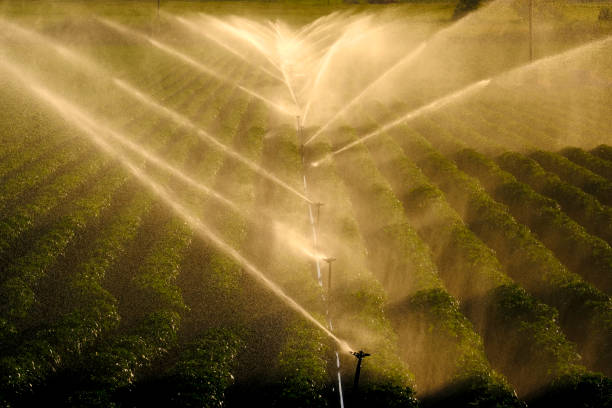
219 205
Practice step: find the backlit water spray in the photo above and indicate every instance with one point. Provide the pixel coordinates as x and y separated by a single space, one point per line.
184 121
437 104
243 35
198 65
195 28
92 129
181 120
407 59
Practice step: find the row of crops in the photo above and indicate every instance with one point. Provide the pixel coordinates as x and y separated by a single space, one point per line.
474 277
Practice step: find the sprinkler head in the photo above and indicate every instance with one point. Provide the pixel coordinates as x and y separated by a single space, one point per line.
360 354
329 259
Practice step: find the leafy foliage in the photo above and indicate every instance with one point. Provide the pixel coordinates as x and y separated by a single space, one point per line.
464 7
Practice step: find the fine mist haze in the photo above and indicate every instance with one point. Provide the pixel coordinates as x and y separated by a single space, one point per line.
222 203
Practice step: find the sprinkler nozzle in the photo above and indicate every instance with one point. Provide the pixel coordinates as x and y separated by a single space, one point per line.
360 354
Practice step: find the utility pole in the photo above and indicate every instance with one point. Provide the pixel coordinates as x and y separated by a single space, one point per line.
360 355
329 275
530 30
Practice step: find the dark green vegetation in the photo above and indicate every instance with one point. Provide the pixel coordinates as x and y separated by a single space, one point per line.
473 264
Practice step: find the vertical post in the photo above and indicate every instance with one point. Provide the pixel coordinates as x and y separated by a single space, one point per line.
530 30
158 7
329 273
360 355
300 135
318 219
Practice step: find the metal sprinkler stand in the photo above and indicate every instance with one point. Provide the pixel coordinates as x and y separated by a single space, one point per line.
359 355
318 205
329 275
300 134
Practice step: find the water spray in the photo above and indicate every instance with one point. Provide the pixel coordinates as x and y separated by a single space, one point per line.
92 129
194 28
60 49
207 137
243 35
198 65
437 104
408 58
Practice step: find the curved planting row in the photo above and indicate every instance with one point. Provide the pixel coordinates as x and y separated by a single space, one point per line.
87 310
47 198
590 161
603 152
450 362
196 379
223 295
548 114
576 175
193 373
201 372
31 361
98 312
584 311
472 273
31 217
41 171
298 353
586 255
150 301
582 207
356 300
22 272
19 153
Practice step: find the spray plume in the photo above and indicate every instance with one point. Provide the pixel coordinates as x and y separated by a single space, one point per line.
408 58
92 129
194 28
441 102
60 49
437 104
243 35
184 121
198 65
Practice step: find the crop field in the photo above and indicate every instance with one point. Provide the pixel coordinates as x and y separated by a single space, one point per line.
220 204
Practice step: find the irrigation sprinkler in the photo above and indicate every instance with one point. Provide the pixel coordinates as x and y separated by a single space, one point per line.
359 355
300 129
329 261
318 205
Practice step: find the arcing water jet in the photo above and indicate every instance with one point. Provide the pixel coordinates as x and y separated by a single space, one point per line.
342 40
198 65
63 51
184 121
92 129
194 28
437 104
408 58
243 35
